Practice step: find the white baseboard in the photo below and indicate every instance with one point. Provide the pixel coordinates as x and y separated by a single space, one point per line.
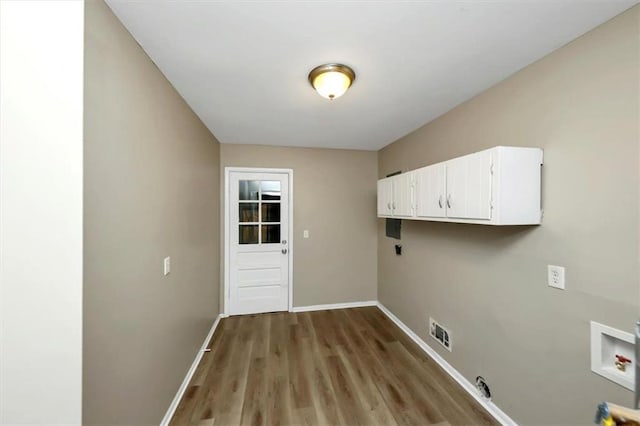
185 383
335 306
492 408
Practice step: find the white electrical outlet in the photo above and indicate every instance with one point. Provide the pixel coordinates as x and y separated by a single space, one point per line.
167 265
555 276
305 233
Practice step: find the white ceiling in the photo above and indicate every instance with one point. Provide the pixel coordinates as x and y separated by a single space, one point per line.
243 66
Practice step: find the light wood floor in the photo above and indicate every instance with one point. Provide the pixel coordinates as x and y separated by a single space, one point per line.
339 367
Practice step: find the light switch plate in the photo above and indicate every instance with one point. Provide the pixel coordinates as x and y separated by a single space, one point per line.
167 265
305 233
555 276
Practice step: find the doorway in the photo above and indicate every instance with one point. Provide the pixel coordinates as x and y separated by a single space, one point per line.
258 249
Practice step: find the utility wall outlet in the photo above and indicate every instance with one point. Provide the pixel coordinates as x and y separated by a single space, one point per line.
167 265
555 276
305 233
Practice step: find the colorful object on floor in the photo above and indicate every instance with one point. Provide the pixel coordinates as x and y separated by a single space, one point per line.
610 414
603 415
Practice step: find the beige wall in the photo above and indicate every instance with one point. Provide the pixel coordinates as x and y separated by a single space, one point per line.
334 198
151 190
488 284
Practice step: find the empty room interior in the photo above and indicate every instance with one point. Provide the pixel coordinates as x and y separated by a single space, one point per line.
314 213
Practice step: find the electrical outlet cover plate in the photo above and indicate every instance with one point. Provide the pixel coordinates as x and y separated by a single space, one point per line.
555 276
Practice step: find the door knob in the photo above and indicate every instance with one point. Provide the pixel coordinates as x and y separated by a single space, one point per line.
284 251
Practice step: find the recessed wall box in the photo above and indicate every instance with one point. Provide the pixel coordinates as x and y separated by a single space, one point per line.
608 347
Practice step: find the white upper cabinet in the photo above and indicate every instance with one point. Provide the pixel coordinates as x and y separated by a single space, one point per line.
385 197
498 186
431 191
396 196
402 203
469 186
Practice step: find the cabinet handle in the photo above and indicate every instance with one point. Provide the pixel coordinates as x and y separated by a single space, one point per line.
440 201
388 206
394 205
449 201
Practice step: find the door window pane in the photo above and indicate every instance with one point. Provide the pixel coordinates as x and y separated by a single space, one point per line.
248 212
270 234
270 190
248 189
271 212
248 234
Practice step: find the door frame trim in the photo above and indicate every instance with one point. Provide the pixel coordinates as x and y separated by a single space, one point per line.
227 241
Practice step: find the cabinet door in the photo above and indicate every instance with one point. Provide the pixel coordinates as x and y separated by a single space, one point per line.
403 195
385 197
469 186
430 191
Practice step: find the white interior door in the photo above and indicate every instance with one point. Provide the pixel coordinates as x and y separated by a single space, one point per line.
258 242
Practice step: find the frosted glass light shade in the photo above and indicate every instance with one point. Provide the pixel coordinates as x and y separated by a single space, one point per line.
331 80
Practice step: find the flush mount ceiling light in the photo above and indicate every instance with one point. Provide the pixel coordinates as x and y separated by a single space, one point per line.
331 80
